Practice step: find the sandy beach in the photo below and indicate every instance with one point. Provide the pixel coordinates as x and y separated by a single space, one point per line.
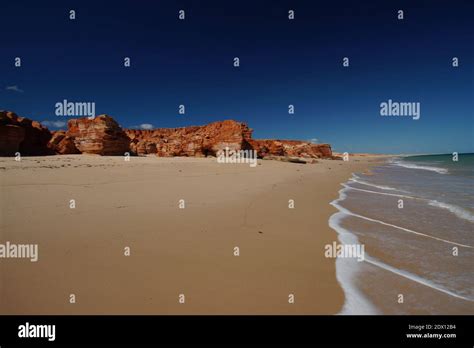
173 251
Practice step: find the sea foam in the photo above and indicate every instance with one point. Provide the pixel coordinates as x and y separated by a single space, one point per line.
416 166
458 211
346 271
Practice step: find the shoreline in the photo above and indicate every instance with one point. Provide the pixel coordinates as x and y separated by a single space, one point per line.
173 251
355 301
407 260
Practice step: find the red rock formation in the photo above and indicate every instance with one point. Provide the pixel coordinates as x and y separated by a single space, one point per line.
290 148
62 144
20 134
11 136
199 141
101 136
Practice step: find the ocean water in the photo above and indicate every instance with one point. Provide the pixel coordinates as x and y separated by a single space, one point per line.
415 217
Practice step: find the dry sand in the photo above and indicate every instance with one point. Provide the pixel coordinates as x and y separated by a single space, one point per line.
173 251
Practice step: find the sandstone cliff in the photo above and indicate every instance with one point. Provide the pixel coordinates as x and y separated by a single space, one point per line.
20 134
199 141
104 136
290 148
62 143
101 135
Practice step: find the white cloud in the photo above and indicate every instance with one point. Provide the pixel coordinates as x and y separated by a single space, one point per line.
14 88
56 124
314 140
146 126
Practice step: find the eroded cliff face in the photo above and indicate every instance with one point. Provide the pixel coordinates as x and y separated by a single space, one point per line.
198 141
62 144
290 148
20 134
101 135
104 136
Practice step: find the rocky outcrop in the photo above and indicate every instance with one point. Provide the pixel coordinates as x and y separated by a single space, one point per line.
62 144
290 148
20 134
11 136
101 135
198 141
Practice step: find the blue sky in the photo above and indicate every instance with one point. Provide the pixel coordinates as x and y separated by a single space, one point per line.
283 62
